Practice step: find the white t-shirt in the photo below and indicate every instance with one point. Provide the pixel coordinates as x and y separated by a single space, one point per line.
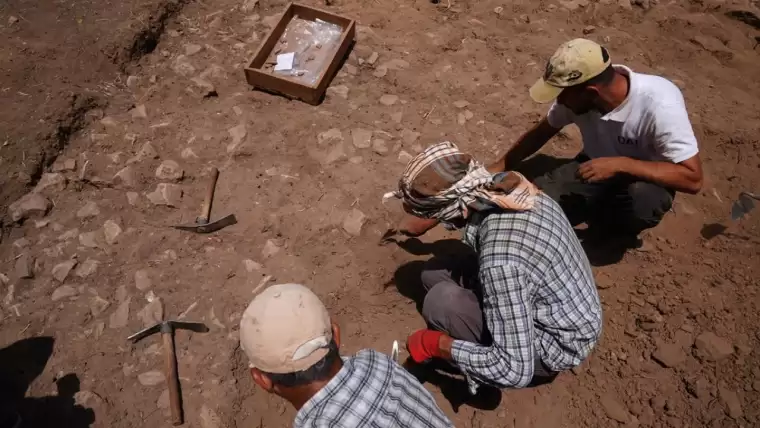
651 124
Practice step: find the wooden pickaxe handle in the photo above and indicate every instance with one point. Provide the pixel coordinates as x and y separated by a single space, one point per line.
172 377
209 198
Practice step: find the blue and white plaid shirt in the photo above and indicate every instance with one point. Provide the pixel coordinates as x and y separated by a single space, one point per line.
371 390
539 296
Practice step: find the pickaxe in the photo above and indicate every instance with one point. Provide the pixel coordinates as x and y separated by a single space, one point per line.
167 334
202 224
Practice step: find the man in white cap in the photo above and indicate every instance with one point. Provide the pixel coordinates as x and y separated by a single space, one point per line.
638 144
292 346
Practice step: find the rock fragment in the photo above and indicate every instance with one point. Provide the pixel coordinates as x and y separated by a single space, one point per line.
169 170
270 249
25 266
51 182
669 355
362 138
151 378
61 270
31 205
87 268
120 317
89 210
354 221
152 313
126 177
98 305
338 91
166 194
732 402
63 292
710 347
139 112
388 100
111 231
90 239
142 280
237 134
192 49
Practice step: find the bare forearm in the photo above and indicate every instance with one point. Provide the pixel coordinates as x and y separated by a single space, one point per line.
673 176
528 144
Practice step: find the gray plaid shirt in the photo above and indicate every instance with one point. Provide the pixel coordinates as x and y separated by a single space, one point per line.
539 296
371 390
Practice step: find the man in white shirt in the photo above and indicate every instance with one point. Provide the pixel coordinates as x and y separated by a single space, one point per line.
638 144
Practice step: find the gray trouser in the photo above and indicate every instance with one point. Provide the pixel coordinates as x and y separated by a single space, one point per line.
453 303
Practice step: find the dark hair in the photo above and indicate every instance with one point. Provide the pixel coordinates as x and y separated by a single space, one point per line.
319 371
602 79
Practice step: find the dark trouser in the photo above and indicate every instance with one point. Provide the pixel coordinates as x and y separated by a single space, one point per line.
453 305
620 204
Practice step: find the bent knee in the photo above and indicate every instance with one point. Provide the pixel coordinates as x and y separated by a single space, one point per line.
442 299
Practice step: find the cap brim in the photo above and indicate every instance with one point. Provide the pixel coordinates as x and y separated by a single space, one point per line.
542 92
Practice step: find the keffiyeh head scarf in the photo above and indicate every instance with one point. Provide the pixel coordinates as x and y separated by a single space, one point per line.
445 184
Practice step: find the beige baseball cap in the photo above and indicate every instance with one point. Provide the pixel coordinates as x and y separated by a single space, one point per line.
575 62
285 329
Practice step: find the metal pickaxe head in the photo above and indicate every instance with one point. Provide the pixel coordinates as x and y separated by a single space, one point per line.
202 223
168 327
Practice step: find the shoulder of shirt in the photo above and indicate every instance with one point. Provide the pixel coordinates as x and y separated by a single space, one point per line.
657 91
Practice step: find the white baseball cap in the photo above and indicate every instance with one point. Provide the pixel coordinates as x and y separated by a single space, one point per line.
285 329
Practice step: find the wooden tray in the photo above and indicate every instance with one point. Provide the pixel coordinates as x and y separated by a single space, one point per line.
284 85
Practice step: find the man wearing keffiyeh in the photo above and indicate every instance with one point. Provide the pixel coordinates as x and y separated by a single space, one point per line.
525 307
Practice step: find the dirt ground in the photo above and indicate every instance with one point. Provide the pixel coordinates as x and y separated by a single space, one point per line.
680 339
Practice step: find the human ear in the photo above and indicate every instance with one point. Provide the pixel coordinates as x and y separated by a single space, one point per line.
262 380
336 333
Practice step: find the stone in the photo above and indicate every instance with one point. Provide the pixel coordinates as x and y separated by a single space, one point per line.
461 119
87 268
380 146
207 88
614 410
209 418
396 117
409 136
669 355
372 58
12 20
380 71
61 270
625 4
251 266
169 170
139 112
166 194
152 313
237 134
120 317
270 249
756 386
88 399
90 239
63 292
53 182
362 138
163 400
182 66
700 388
21 243
404 157
132 82
98 305
354 221
151 378
65 165
132 198
192 49
731 401
142 280
332 134
31 205
25 266
111 231
588 29
711 347
388 100
338 91
89 210
396 64
147 151
188 153
126 177
249 6
461 104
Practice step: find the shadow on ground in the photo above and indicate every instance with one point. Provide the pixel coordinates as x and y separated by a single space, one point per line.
20 364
